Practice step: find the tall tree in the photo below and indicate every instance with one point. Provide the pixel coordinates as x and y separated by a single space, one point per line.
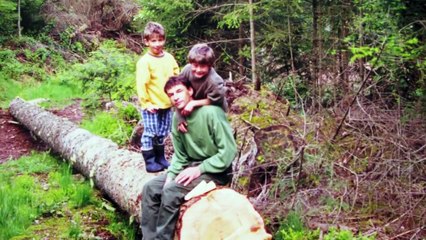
19 19
316 45
255 79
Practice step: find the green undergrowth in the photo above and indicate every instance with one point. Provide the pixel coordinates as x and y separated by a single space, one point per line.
55 93
30 70
116 124
41 198
292 228
260 109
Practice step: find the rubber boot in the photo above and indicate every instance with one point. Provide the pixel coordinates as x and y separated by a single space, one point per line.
159 155
158 143
150 164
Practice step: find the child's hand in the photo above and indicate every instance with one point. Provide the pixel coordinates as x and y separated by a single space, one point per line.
187 110
152 109
182 127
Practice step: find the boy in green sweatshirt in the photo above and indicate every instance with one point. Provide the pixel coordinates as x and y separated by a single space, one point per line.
204 152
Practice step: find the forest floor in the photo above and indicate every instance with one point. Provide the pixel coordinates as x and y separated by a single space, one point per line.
17 141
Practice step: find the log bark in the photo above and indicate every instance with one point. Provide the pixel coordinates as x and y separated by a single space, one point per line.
118 173
121 175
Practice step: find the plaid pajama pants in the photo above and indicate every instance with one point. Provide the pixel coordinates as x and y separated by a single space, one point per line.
155 125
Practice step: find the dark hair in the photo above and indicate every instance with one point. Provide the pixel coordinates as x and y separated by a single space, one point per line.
176 80
201 53
153 28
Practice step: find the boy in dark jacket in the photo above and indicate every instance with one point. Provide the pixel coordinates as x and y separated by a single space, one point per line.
207 85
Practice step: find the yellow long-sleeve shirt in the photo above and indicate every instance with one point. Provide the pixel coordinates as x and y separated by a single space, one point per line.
152 73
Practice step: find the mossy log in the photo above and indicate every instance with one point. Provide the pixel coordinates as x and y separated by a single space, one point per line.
121 175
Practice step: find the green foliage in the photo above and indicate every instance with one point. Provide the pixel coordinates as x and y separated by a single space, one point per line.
292 228
30 16
20 196
66 39
292 221
15 205
9 17
82 196
108 73
398 67
121 227
28 73
335 234
36 163
8 90
291 88
298 235
128 112
110 126
75 231
56 92
172 14
42 185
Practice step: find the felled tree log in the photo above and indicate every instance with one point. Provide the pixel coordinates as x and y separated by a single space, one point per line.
220 214
121 175
118 173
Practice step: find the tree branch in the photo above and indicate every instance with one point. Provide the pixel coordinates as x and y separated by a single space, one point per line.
359 90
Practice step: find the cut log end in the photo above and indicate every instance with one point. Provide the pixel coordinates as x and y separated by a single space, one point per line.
220 214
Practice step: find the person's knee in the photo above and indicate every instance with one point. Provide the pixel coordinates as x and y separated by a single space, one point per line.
150 189
172 195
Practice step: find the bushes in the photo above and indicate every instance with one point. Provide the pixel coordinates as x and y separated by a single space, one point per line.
109 73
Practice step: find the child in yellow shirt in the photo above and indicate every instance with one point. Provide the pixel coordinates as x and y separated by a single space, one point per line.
152 72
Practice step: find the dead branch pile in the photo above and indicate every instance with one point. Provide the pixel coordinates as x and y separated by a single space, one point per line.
86 20
386 156
370 179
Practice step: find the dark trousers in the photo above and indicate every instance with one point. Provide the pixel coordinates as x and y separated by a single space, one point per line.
160 206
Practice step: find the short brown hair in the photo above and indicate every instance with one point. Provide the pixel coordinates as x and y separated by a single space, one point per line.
201 53
176 80
153 28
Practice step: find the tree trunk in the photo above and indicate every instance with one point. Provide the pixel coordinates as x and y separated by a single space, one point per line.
240 49
255 80
315 40
316 45
121 175
293 68
19 19
346 8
